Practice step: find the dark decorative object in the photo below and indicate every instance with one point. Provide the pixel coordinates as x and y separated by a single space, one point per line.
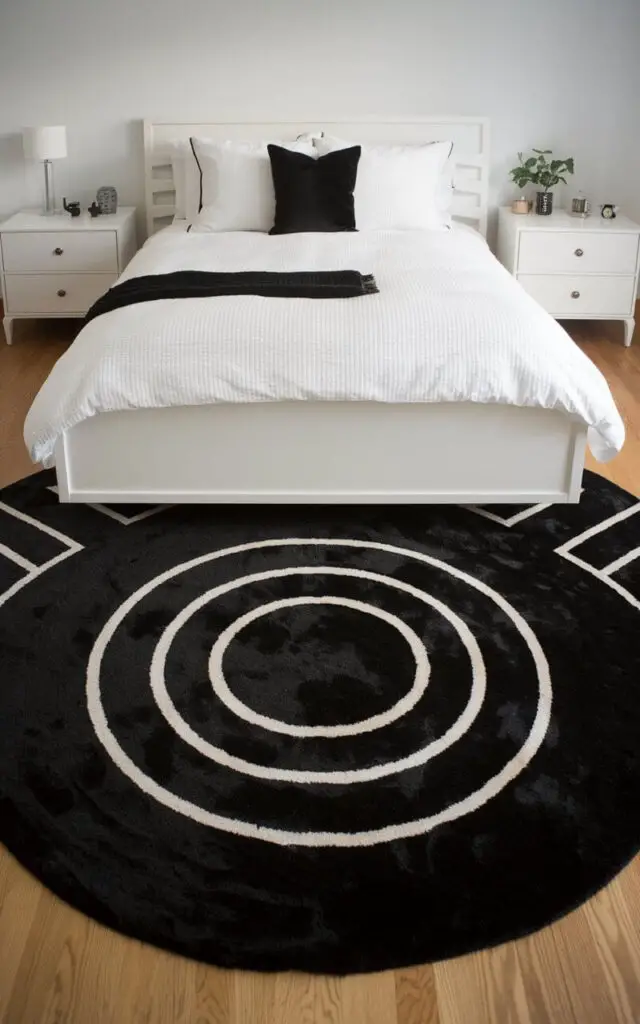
323 739
107 199
94 210
544 203
314 195
73 207
608 211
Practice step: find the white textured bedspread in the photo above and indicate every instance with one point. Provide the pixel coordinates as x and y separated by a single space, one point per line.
449 325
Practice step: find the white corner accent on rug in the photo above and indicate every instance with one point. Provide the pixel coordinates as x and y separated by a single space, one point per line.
36 570
619 563
118 516
513 520
13 556
604 575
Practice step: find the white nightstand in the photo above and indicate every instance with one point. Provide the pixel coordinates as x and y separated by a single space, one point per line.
577 269
58 266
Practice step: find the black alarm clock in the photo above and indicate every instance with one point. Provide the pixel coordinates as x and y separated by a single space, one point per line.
608 211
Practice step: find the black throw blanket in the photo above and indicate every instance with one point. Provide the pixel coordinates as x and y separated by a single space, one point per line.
195 284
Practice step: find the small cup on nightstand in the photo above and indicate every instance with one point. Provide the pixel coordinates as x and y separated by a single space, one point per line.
580 207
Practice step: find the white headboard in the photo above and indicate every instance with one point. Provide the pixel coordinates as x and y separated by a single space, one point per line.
470 156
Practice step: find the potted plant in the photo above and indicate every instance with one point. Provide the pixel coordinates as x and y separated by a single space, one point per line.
542 172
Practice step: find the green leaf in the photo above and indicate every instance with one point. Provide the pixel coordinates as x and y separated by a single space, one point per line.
537 170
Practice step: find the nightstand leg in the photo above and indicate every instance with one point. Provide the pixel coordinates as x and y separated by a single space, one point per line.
7 323
628 330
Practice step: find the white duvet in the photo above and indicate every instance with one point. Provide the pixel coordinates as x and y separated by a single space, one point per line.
449 325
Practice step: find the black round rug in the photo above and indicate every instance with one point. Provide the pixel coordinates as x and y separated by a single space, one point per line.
326 739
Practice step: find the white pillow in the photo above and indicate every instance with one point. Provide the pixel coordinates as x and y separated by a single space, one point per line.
399 187
186 180
237 185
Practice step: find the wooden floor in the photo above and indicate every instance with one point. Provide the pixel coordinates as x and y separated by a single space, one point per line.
57 967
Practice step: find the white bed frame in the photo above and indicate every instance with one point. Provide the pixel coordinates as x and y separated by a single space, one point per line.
325 452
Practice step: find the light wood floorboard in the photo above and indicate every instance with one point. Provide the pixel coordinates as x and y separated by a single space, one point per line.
57 967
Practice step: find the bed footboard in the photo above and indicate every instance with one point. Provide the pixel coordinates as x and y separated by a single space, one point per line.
324 452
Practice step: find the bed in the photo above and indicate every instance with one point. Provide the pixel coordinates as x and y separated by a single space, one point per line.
280 449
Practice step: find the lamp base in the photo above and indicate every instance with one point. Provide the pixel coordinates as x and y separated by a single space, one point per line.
49 197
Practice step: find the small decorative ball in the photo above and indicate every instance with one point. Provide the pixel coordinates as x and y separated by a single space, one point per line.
107 199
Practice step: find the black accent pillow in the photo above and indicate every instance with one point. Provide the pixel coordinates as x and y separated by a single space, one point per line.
314 195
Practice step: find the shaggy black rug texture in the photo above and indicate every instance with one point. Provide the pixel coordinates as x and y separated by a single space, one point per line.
328 739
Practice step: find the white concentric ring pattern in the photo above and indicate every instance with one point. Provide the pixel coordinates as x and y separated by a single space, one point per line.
339 777
486 791
400 708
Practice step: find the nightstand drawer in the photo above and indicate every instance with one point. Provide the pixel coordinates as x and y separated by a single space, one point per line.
48 294
37 252
581 295
578 252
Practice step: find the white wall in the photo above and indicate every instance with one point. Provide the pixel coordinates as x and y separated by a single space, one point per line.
562 74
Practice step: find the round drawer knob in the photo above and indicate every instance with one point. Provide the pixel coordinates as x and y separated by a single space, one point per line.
579 252
58 251
62 293
574 295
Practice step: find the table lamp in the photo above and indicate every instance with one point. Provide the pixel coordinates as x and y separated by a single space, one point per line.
46 144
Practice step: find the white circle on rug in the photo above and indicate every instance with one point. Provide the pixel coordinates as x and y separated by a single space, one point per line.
396 711
338 777
287 837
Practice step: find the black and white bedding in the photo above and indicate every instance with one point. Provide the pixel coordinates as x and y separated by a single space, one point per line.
449 325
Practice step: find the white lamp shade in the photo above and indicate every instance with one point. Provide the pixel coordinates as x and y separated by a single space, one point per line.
45 143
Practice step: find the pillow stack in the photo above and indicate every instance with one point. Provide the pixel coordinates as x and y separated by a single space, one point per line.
227 186
399 188
186 181
237 192
315 183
